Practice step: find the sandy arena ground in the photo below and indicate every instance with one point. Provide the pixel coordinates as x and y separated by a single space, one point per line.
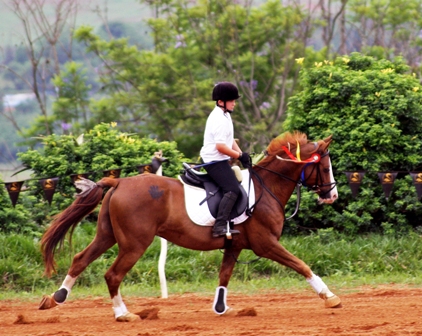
384 310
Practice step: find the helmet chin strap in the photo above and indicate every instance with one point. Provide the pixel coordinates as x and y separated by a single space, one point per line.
224 108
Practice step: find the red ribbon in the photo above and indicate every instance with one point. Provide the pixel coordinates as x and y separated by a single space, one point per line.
315 157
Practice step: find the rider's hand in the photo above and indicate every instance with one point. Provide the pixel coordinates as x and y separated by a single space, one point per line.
246 160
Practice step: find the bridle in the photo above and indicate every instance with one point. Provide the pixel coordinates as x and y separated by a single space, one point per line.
319 183
313 160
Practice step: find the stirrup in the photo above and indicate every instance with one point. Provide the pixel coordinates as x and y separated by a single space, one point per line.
224 232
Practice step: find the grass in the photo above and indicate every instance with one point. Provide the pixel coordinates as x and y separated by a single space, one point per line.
207 286
343 262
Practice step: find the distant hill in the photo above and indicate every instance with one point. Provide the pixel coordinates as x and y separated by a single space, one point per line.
129 11
91 12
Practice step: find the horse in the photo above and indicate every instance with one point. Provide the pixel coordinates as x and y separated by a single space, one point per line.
136 209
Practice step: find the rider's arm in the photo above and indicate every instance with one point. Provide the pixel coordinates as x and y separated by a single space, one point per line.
236 147
234 152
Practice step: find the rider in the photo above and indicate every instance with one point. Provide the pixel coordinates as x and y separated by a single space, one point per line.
219 146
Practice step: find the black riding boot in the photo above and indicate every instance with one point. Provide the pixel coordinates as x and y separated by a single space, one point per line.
223 215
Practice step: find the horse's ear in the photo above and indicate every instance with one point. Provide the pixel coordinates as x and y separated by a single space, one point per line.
328 139
323 145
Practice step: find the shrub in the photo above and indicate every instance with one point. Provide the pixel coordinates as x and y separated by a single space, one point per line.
100 149
15 219
373 109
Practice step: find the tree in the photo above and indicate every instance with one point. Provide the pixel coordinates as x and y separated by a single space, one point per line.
330 14
165 93
137 34
392 25
71 105
42 35
372 108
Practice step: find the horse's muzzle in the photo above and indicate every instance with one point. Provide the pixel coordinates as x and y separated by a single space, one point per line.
328 197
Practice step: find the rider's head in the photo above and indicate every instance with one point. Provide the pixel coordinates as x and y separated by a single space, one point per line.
225 94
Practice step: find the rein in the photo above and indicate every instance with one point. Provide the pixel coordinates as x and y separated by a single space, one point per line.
297 202
249 210
315 158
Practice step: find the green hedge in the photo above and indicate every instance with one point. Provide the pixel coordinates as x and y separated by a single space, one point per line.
100 149
373 110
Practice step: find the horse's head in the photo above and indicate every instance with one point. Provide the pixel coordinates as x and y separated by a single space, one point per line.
318 176
310 159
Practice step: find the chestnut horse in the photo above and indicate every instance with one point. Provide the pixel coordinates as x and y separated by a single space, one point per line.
136 209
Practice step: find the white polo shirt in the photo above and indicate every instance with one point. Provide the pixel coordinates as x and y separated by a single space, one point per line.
218 129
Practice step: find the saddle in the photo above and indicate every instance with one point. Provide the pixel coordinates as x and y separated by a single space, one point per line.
213 192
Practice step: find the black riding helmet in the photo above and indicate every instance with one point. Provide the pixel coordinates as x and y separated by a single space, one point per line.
225 91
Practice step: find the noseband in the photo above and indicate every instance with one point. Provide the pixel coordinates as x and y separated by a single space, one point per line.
316 187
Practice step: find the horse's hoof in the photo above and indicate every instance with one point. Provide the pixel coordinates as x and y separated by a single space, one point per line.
47 302
333 302
128 317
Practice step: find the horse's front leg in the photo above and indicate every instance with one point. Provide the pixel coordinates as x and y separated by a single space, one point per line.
220 300
278 253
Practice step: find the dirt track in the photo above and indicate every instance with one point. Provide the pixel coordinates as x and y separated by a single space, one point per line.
385 310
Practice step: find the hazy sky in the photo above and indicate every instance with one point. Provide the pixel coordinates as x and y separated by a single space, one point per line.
11 29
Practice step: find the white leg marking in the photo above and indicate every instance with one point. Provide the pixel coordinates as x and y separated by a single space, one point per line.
319 286
118 306
68 283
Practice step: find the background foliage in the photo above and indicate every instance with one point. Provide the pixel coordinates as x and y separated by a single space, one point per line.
155 79
373 110
170 98
102 148
154 76
341 260
16 219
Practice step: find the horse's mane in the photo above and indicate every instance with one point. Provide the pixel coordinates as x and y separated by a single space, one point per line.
284 139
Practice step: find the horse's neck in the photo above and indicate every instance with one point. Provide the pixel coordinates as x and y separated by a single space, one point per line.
283 182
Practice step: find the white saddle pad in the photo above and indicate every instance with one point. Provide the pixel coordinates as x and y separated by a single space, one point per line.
200 214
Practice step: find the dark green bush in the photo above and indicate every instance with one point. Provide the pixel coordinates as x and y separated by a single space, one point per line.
100 149
373 110
15 219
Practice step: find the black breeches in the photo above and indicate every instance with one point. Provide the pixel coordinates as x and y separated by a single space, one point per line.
223 175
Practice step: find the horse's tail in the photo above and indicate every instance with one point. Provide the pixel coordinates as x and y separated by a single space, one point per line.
86 202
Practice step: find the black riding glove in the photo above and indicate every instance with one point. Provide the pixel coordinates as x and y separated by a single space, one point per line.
246 160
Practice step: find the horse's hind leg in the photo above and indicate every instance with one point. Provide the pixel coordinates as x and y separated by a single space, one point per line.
279 254
80 261
220 300
104 239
